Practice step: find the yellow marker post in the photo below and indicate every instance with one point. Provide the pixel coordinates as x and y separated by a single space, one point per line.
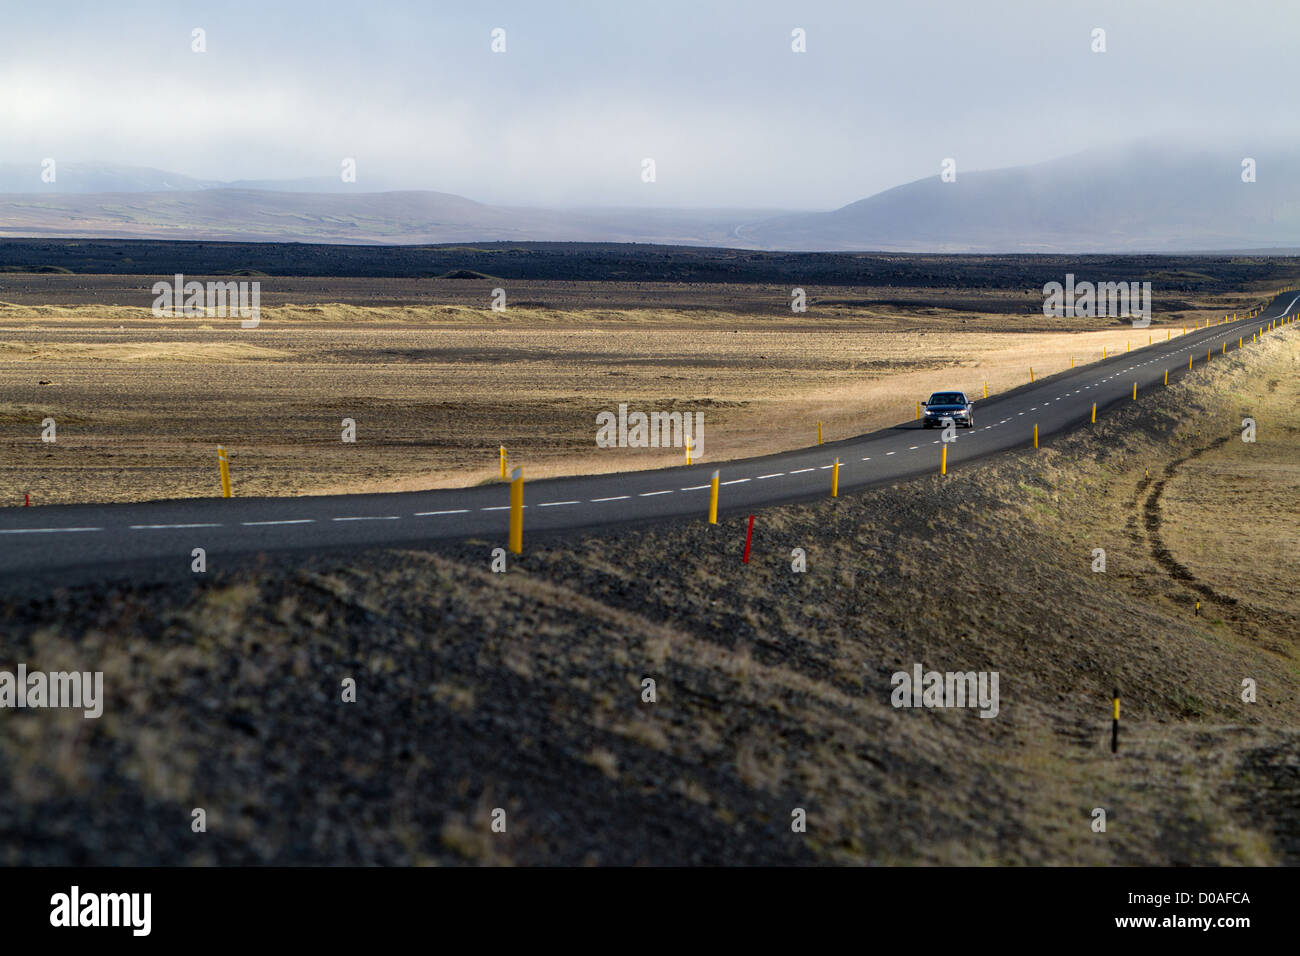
1035 436
1114 722
1168 334
1135 391
986 389
1224 350
1207 355
688 449
224 464
1094 413
819 426
713 499
1128 346
516 539
1166 377
1189 363
503 462
918 410
1239 338
835 479
1031 373
1071 361
943 460
1148 339
1103 351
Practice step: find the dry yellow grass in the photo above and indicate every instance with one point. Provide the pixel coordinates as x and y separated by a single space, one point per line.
434 391
163 352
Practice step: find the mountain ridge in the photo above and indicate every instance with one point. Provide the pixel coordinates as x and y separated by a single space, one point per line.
1139 198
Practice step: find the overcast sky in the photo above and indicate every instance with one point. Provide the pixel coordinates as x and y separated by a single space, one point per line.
588 88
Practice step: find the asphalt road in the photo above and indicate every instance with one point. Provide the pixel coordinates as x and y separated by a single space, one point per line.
74 543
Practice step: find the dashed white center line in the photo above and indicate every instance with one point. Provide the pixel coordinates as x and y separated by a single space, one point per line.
555 504
613 498
800 471
289 521
453 511
382 517
775 475
651 494
696 488
152 527
45 530
734 481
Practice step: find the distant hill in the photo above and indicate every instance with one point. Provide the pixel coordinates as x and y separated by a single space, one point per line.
251 215
94 178
1138 198
83 178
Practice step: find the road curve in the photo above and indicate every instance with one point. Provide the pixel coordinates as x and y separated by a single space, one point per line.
71 543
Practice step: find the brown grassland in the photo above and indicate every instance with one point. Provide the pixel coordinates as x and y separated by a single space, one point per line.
140 403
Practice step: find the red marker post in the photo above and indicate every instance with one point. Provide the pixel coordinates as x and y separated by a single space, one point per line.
749 535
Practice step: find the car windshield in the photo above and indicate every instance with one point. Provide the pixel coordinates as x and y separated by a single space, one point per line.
947 398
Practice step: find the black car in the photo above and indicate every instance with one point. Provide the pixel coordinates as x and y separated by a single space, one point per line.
954 405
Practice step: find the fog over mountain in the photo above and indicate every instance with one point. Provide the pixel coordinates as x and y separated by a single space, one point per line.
42 179
1142 197
1139 197
117 178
